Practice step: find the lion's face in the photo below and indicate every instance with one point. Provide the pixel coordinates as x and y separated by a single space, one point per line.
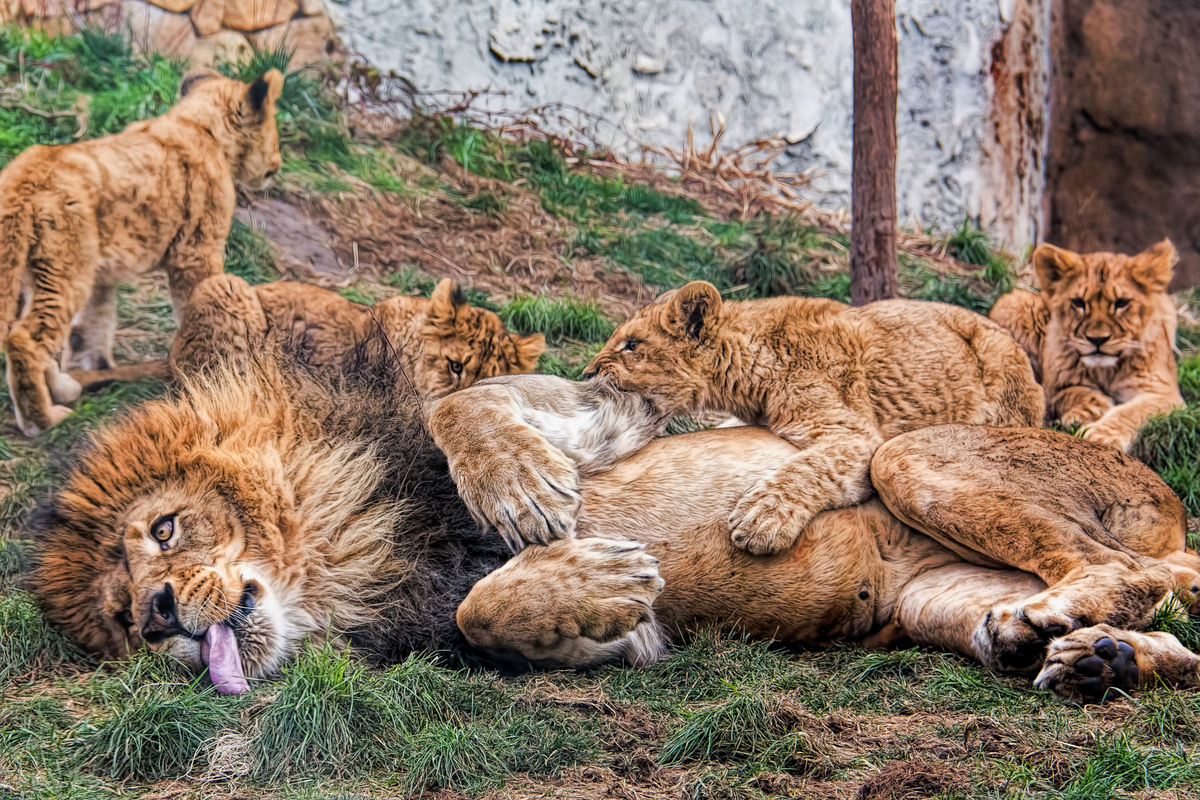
245 122
182 528
1102 303
667 350
463 345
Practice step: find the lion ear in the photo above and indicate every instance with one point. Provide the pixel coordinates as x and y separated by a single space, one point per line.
447 305
695 310
1154 268
265 89
1051 264
529 349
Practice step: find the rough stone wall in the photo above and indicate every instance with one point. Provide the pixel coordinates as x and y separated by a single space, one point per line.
651 67
1125 144
200 30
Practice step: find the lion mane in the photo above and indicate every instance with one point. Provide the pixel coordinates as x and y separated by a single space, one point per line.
341 502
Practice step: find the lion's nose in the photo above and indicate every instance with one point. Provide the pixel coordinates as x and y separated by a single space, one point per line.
1096 341
163 614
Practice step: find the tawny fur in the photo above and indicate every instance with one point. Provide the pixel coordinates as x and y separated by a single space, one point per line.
988 542
77 219
834 381
442 344
1101 337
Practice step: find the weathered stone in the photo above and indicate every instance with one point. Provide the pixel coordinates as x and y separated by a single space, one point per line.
88 6
207 16
9 10
312 38
1124 153
253 15
174 5
153 29
42 9
221 46
312 8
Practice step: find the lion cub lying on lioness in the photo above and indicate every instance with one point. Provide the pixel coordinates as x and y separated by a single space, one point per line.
1101 336
442 343
835 381
76 220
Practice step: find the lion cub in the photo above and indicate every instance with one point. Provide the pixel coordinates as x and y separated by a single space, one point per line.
77 219
442 343
1101 335
833 380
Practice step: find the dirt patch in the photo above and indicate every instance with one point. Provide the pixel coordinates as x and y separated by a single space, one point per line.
912 780
516 247
303 245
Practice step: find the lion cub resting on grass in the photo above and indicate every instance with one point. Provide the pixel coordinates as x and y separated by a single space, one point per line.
1101 337
832 380
442 344
77 219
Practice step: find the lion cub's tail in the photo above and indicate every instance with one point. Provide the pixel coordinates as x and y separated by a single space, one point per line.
91 380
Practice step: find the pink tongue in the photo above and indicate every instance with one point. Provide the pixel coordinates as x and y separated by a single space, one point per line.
220 653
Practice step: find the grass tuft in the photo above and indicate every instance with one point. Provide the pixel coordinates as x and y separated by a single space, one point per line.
249 254
456 756
568 319
28 644
1170 445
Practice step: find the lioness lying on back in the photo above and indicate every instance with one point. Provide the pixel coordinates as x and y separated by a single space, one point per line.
77 219
1101 337
834 381
442 344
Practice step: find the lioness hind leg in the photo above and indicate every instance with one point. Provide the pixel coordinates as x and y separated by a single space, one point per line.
1087 665
571 603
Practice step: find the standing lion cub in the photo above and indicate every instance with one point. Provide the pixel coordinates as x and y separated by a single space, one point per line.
77 219
835 381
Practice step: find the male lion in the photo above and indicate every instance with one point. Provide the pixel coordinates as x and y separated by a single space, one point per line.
264 506
834 381
76 219
442 343
1101 337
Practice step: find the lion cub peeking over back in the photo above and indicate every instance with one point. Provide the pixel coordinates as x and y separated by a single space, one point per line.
1101 335
833 380
442 343
77 219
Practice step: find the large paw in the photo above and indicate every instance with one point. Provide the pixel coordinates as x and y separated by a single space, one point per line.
766 521
1014 638
1089 664
531 497
618 582
1086 410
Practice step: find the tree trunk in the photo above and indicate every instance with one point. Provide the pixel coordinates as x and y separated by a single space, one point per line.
873 176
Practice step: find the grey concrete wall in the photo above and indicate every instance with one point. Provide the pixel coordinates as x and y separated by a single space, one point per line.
651 67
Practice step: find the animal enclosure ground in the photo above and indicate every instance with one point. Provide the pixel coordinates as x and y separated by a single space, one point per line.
563 241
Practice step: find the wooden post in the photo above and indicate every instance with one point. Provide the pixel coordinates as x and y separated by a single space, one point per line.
873 176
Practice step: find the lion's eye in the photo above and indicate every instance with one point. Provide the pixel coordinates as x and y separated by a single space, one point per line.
629 345
456 367
163 529
1120 302
1078 303
125 618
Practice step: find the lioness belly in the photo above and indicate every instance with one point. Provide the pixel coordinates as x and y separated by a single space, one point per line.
840 580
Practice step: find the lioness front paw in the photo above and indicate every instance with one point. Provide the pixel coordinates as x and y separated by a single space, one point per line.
765 521
1014 638
1084 666
529 498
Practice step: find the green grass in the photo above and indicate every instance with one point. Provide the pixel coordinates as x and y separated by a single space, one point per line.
562 320
249 254
1170 445
28 644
